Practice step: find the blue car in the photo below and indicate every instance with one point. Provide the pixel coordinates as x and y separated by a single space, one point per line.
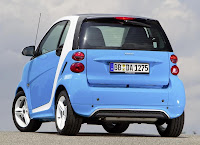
109 70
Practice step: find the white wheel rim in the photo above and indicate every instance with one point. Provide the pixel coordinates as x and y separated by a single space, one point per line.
21 112
61 113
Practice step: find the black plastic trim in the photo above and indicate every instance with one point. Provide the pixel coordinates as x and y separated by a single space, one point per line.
130 113
64 67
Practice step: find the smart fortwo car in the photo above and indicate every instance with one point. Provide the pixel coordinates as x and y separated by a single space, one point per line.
109 70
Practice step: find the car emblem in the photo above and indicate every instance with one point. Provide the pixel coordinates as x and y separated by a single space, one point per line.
129 53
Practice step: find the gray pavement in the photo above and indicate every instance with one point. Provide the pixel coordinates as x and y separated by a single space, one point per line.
51 138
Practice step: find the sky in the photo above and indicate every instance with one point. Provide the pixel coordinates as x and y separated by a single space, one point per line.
18 24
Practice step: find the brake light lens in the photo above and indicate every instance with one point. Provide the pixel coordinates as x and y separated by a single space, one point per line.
78 56
124 18
174 58
175 70
77 67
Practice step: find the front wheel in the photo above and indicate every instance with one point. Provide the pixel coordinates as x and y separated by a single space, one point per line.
67 121
20 115
172 127
115 128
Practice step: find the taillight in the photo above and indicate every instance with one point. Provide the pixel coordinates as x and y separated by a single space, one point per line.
124 18
77 67
78 56
174 58
175 70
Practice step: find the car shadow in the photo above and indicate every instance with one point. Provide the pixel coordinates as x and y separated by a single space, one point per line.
113 135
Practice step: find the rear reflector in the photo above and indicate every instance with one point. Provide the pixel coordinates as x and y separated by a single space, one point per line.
78 56
174 58
77 67
124 18
175 70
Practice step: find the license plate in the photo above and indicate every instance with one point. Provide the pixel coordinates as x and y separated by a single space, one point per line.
138 68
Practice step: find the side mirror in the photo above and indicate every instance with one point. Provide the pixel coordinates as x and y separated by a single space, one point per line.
28 51
59 50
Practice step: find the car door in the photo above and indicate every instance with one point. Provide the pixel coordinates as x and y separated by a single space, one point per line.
43 67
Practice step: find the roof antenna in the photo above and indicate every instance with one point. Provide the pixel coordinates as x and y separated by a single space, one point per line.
37 29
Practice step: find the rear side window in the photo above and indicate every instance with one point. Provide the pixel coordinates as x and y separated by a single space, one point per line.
123 35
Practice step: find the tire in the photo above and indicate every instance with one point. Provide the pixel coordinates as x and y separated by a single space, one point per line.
115 128
67 121
20 114
174 127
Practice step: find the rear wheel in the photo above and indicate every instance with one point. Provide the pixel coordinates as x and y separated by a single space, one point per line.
67 121
20 115
115 128
172 127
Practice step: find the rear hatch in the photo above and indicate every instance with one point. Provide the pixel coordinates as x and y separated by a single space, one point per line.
125 52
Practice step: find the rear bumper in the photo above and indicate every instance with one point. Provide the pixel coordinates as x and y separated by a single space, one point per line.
133 111
87 100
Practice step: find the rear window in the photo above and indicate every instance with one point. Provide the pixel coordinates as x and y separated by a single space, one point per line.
128 35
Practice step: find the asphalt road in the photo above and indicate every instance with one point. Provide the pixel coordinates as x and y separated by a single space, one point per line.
46 138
